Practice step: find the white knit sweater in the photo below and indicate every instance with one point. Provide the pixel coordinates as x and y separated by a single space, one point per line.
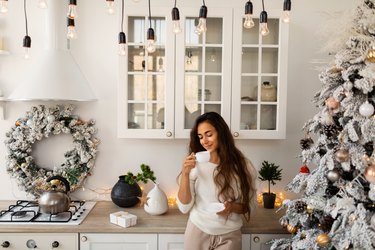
204 192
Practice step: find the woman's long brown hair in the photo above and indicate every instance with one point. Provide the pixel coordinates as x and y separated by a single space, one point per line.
233 167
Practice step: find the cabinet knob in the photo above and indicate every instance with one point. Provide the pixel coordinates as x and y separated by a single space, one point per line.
83 238
5 244
169 134
236 134
55 244
256 239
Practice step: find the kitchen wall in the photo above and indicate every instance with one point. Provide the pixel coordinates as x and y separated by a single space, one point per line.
96 53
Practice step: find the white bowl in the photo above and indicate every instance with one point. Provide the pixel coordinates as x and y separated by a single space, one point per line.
214 207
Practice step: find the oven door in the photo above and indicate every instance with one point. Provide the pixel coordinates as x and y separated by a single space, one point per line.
61 241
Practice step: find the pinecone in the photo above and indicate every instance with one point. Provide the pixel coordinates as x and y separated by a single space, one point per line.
325 223
330 130
306 143
300 206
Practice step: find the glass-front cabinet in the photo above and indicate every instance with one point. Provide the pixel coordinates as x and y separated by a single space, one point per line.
228 69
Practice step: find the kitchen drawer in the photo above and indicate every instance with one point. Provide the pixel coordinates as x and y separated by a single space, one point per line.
42 241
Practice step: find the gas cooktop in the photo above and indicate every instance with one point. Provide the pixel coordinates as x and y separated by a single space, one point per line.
27 212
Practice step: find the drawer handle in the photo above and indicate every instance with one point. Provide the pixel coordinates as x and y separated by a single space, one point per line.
55 244
83 238
256 239
5 244
169 134
236 134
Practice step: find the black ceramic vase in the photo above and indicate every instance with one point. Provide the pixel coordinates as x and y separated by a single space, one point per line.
124 194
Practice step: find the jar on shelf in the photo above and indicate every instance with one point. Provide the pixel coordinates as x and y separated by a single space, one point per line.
207 94
268 92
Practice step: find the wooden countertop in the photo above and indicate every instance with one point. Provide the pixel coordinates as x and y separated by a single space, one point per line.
263 221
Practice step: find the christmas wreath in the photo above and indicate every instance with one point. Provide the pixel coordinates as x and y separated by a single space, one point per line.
41 122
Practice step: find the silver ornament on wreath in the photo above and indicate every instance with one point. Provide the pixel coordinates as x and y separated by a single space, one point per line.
366 109
333 175
342 155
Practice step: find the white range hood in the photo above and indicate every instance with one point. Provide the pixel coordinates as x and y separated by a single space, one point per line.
54 74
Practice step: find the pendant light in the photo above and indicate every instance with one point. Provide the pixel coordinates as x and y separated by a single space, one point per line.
3 6
249 22
71 29
27 38
110 6
72 9
121 35
42 4
263 21
150 33
176 19
202 27
287 8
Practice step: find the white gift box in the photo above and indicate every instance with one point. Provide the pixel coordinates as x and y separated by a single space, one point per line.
123 219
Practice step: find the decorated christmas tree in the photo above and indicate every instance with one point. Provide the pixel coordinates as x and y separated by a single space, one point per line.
336 208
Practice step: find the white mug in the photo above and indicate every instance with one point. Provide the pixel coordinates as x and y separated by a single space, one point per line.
203 156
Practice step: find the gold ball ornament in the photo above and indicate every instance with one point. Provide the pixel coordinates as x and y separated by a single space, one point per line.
342 155
323 240
370 174
371 55
332 103
310 209
292 229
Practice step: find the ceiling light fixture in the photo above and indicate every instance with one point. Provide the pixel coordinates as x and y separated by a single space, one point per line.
150 33
121 35
72 9
249 22
3 6
27 38
71 29
110 6
176 19
202 27
263 21
287 8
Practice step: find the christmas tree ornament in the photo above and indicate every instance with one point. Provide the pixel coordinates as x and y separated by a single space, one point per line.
373 221
371 55
330 130
292 229
323 240
332 103
304 170
306 143
300 206
333 175
370 174
366 109
371 194
325 223
284 222
342 155
309 208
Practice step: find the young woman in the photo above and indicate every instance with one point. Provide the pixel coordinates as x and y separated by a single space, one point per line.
228 178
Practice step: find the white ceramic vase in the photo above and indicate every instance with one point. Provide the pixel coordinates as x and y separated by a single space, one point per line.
157 202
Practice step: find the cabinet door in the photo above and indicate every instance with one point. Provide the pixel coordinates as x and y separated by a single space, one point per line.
146 86
171 242
259 78
203 68
93 241
259 241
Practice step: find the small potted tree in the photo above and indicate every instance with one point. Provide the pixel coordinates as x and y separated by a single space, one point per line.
271 173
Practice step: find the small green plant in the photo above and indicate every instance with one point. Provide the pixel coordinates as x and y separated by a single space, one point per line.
144 176
269 172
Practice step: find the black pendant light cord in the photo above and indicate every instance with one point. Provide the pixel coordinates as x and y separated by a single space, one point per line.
122 16
263 4
149 12
24 9
175 3
204 3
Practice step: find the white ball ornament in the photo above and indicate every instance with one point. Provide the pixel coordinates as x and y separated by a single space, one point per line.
366 109
371 194
333 175
373 221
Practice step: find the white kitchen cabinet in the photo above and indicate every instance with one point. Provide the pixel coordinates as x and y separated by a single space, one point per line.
43 241
259 241
101 241
228 69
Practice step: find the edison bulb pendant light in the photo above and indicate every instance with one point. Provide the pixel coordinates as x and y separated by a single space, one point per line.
202 27
249 22
263 23
150 41
176 20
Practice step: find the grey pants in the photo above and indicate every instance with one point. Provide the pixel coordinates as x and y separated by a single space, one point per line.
195 239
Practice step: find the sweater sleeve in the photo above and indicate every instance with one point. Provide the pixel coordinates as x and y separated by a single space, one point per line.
185 208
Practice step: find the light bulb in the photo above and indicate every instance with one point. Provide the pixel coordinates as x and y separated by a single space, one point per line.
42 4
122 44
286 16
72 9
110 6
150 41
27 46
3 6
176 20
202 27
71 29
249 22
263 23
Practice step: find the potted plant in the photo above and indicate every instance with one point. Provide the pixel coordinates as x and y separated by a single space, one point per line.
271 173
126 191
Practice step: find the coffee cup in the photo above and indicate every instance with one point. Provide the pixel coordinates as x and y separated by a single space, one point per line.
203 156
